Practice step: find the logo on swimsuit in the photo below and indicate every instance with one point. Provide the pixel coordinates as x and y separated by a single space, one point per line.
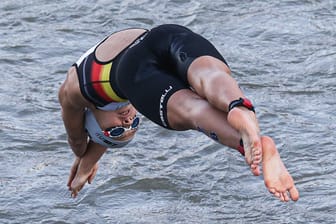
162 99
137 41
104 140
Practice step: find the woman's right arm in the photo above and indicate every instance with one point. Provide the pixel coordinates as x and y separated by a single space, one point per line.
73 108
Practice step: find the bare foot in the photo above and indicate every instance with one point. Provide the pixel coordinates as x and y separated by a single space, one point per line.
245 122
277 179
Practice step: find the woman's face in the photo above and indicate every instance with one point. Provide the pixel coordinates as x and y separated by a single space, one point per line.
123 117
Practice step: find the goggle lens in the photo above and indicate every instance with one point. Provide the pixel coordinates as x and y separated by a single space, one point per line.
117 132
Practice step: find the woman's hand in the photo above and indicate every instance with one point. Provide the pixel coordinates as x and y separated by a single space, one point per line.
77 182
73 171
84 169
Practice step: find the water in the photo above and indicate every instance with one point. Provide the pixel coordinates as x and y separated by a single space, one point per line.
283 54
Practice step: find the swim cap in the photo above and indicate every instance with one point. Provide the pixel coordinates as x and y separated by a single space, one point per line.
114 106
96 135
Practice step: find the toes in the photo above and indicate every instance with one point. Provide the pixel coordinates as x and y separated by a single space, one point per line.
272 190
285 196
257 152
255 170
294 193
277 194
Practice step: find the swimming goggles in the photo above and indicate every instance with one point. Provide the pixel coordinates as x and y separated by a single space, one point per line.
117 132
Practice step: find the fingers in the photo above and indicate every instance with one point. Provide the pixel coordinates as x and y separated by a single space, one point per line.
74 193
73 171
92 176
71 177
75 188
77 182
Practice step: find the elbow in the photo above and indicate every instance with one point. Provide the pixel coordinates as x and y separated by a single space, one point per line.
78 146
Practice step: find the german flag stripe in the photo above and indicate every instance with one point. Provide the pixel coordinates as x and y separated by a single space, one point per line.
100 80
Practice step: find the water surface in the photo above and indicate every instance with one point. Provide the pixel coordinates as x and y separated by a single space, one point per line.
282 53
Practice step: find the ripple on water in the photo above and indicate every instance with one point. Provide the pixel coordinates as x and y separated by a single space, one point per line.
281 52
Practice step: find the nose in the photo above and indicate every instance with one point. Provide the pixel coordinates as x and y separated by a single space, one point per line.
128 121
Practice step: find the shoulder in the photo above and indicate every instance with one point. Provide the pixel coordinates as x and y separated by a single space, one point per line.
69 93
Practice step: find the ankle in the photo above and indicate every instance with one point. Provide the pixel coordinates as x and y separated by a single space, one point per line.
241 102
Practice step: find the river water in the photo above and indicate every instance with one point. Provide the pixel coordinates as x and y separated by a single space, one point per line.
283 54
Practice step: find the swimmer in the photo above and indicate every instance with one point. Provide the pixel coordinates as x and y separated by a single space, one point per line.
178 80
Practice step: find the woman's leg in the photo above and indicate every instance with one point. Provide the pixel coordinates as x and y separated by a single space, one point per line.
211 79
186 110
277 179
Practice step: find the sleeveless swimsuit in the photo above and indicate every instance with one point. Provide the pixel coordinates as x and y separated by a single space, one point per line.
146 73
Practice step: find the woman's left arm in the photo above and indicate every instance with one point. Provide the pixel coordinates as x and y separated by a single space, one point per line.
85 168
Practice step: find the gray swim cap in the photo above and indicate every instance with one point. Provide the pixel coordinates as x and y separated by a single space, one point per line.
96 134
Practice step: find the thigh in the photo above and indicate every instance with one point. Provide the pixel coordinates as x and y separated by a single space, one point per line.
186 48
149 89
151 71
